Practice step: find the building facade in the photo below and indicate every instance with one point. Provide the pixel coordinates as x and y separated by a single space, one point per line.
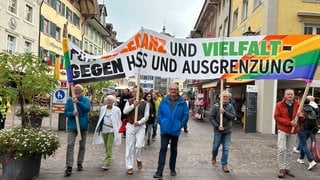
19 26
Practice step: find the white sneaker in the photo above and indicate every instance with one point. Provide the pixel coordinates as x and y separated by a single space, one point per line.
312 164
296 150
301 161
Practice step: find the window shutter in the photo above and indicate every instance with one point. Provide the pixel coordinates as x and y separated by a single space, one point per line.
53 28
63 9
41 23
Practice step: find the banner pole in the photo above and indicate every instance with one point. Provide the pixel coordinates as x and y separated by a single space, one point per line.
137 97
306 90
76 117
221 102
69 75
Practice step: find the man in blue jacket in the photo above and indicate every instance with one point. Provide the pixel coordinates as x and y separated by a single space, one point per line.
173 113
82 111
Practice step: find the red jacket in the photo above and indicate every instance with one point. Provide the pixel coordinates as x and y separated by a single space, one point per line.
281 115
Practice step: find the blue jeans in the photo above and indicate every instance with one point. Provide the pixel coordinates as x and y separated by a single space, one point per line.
303 137
165 138
223 139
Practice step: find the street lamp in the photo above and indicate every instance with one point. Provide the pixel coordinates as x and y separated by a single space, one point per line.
249 32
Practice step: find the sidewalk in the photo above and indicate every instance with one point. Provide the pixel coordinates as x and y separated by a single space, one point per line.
252 155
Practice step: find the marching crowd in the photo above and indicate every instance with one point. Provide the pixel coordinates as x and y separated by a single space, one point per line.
137 114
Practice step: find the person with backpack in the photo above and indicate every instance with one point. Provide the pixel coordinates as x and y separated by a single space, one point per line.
306 128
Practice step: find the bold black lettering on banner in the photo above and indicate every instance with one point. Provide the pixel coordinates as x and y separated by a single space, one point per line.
164 64
234 66
140 60
96 70
183 49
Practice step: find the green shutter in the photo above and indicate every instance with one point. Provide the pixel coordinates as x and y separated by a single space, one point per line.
41 53
67 12
63 9
41 23
53 3
53 28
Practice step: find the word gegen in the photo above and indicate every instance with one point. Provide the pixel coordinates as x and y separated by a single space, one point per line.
98 69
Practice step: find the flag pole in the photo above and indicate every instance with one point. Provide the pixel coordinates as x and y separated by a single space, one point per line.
221 102
138 84
69 74
306 90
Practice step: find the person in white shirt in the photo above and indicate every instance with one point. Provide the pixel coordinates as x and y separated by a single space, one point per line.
107 128
135 129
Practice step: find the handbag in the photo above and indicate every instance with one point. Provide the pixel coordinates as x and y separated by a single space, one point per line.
122 128
315 148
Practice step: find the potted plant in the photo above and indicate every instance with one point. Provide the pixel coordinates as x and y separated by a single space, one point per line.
22 148
34 115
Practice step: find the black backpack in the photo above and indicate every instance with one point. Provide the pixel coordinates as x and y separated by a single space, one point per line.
311 118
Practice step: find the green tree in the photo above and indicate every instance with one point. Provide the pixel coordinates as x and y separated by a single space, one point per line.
22 76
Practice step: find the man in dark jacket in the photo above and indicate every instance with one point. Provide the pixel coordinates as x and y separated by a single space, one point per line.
173 113
222 132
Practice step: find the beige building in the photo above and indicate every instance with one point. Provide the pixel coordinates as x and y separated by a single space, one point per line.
54 14
19 26
99 36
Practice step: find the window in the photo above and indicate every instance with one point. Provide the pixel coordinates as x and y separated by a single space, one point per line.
29 11
59 7
311 29
235 19
12 6
69 15
46 26
27 46
244 9
11 43
58 33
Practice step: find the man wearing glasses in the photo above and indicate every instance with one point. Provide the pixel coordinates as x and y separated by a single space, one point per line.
173 113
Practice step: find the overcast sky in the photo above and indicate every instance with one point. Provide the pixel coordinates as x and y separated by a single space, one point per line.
128 16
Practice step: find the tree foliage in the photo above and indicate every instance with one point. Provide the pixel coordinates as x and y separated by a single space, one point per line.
23 76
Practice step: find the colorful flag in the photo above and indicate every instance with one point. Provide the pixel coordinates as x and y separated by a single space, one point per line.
67 60
57 68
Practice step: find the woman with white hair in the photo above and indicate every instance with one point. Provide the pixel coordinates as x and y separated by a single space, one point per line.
107 128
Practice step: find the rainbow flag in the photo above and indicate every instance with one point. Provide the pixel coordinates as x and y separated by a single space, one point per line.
67 60
304 51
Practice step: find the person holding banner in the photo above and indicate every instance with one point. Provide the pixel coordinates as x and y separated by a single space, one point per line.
173 113
285 112
222 134
82 111
135 128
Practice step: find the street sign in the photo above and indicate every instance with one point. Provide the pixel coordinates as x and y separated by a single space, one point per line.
60 96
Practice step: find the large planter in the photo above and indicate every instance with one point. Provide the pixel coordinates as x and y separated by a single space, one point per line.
20 169
36 122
